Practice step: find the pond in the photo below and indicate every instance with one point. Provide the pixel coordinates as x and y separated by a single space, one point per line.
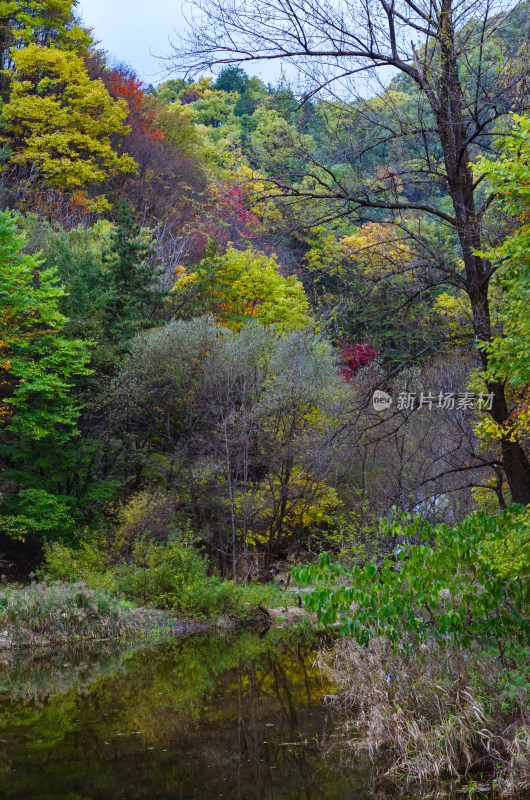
209 716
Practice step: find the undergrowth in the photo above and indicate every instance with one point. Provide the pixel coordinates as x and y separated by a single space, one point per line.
171 575
435 713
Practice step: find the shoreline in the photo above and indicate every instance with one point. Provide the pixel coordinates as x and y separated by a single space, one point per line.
145 621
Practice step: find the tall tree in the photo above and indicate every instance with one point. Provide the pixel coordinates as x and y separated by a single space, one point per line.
60 124
37 363
48 23
132 296
464 65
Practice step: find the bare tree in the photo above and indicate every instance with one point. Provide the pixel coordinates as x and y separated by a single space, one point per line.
464 82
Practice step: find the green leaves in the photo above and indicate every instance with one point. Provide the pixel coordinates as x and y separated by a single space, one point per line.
509 353
130 296
37 512
469 582
37 363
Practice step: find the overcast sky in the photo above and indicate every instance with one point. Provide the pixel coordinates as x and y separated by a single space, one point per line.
136 31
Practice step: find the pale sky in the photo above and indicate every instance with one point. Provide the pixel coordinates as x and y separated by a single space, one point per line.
136 31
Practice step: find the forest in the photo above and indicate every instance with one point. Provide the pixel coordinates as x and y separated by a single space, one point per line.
262 336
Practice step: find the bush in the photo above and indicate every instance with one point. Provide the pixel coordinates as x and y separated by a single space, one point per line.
464 584
56 611
172 575
148 514
436 667
89 563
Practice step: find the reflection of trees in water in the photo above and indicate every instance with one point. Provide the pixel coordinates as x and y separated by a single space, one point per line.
277 754
183 719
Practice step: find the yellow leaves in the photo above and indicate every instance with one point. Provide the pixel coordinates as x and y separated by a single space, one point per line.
309 505
45 20
380 250
184 279
455 311
247 283
489 430
259 195
314 420
61 122
375 251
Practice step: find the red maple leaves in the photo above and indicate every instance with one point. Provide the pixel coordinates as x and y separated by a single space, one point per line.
355 356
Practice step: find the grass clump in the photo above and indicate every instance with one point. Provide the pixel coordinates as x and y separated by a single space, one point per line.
57 611
432 713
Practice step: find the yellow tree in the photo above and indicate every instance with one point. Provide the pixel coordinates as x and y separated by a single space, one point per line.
59 123
48 23
241 284
381 250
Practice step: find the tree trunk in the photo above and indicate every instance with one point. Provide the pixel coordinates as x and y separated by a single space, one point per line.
453 138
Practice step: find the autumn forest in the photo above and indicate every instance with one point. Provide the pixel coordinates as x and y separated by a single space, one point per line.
263 341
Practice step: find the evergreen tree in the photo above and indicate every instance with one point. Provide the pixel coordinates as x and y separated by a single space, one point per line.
132 298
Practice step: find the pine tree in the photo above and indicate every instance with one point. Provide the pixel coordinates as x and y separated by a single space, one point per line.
133 297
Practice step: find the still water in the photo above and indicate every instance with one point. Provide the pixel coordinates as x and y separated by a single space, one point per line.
205 717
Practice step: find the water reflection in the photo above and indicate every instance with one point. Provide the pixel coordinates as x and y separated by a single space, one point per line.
206 717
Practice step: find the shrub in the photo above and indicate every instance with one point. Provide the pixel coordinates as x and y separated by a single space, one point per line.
172 575
467 584
89 563
435 666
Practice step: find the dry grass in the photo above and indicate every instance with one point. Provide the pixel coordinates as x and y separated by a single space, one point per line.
49 613
430 715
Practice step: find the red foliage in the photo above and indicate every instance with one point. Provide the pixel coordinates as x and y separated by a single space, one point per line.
142 116
230 203
355 356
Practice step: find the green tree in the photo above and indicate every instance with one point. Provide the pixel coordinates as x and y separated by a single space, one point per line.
38 364
132 298
215 108
232 79
38 369
508 352
77 255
